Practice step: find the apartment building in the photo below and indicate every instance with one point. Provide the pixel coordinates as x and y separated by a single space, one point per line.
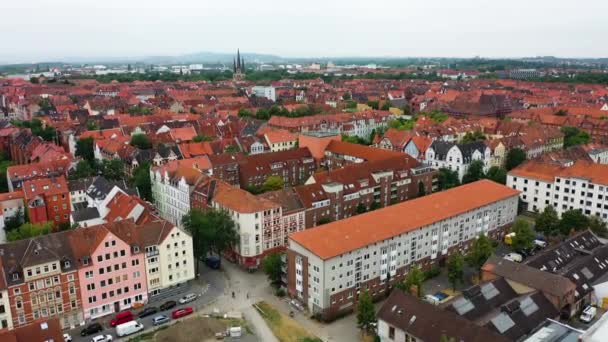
262 222
172 185
338 154
169 257
574 185
48 199
340 193
330 264
18 174
42 280
293 166
111 269
457 157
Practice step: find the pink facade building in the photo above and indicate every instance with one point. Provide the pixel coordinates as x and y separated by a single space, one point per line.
111 268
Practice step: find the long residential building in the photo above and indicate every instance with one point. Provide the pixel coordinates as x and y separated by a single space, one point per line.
580 185
329 265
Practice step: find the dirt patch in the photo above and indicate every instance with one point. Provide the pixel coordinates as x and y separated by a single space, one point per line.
284 328
194 329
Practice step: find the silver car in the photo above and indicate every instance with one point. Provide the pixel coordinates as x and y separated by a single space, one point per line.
160 319
187 298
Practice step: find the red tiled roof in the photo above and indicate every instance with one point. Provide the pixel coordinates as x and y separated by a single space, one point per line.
46 186
333 239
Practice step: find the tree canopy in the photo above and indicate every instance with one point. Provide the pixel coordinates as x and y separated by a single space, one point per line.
84 149
481 250
212 231
366 313
28 230
524 236
470 137
514 158
548 221
141 181
497 174
141 141
455 267
272 266
447 179
273 183
574 136
474 172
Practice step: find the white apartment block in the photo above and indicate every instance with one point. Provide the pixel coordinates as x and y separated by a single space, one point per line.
330 264
580 185
169 256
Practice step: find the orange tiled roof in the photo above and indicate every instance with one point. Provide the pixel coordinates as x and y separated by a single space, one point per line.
46 186
342 236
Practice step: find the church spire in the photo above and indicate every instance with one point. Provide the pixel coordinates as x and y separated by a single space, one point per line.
238 59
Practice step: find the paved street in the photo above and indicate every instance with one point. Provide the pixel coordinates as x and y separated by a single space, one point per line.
210 286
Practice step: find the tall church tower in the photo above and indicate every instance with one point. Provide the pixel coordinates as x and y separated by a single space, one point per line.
238 67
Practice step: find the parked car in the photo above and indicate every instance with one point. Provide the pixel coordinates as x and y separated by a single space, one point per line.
213 262
514 257
91 329
102 338
187 298
161 319
67 338
147 312
588 314
168 305
122 317
540 243
178 313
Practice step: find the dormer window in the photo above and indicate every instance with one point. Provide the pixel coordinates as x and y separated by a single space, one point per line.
66 264
15 276
135 249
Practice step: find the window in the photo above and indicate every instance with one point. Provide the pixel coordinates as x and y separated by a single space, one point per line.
391 333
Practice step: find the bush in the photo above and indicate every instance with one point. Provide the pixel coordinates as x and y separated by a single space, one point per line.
280 293
432 273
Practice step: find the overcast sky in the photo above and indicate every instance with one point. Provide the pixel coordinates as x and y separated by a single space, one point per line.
35 30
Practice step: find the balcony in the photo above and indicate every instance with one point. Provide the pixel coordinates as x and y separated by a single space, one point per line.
422 170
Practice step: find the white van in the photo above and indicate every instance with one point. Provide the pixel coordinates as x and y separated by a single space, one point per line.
128 328
235 332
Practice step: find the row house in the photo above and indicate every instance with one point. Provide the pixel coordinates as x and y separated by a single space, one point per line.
329 265
6 319
457 157
576 185
48 199
42 280
22 144
84 274
404 141
262 222
172 185
338 194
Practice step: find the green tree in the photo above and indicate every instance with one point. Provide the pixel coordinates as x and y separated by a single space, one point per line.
514 158
323 220
273 183
366 314
351 105
272 266
415 278
346 96
4 164
83 169
113 169
373 104
470 137
574 136
231 149
212 231
386 105
375 206
92 125
445 338
598 227
141 181
202 137
524 236
244 112
481 250
15 221
497 174
447 179
474 172
548 221
84 149
455 267
573 219
421 189
28 230
141 141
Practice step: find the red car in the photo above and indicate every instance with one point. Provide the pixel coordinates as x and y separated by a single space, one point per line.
178 313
